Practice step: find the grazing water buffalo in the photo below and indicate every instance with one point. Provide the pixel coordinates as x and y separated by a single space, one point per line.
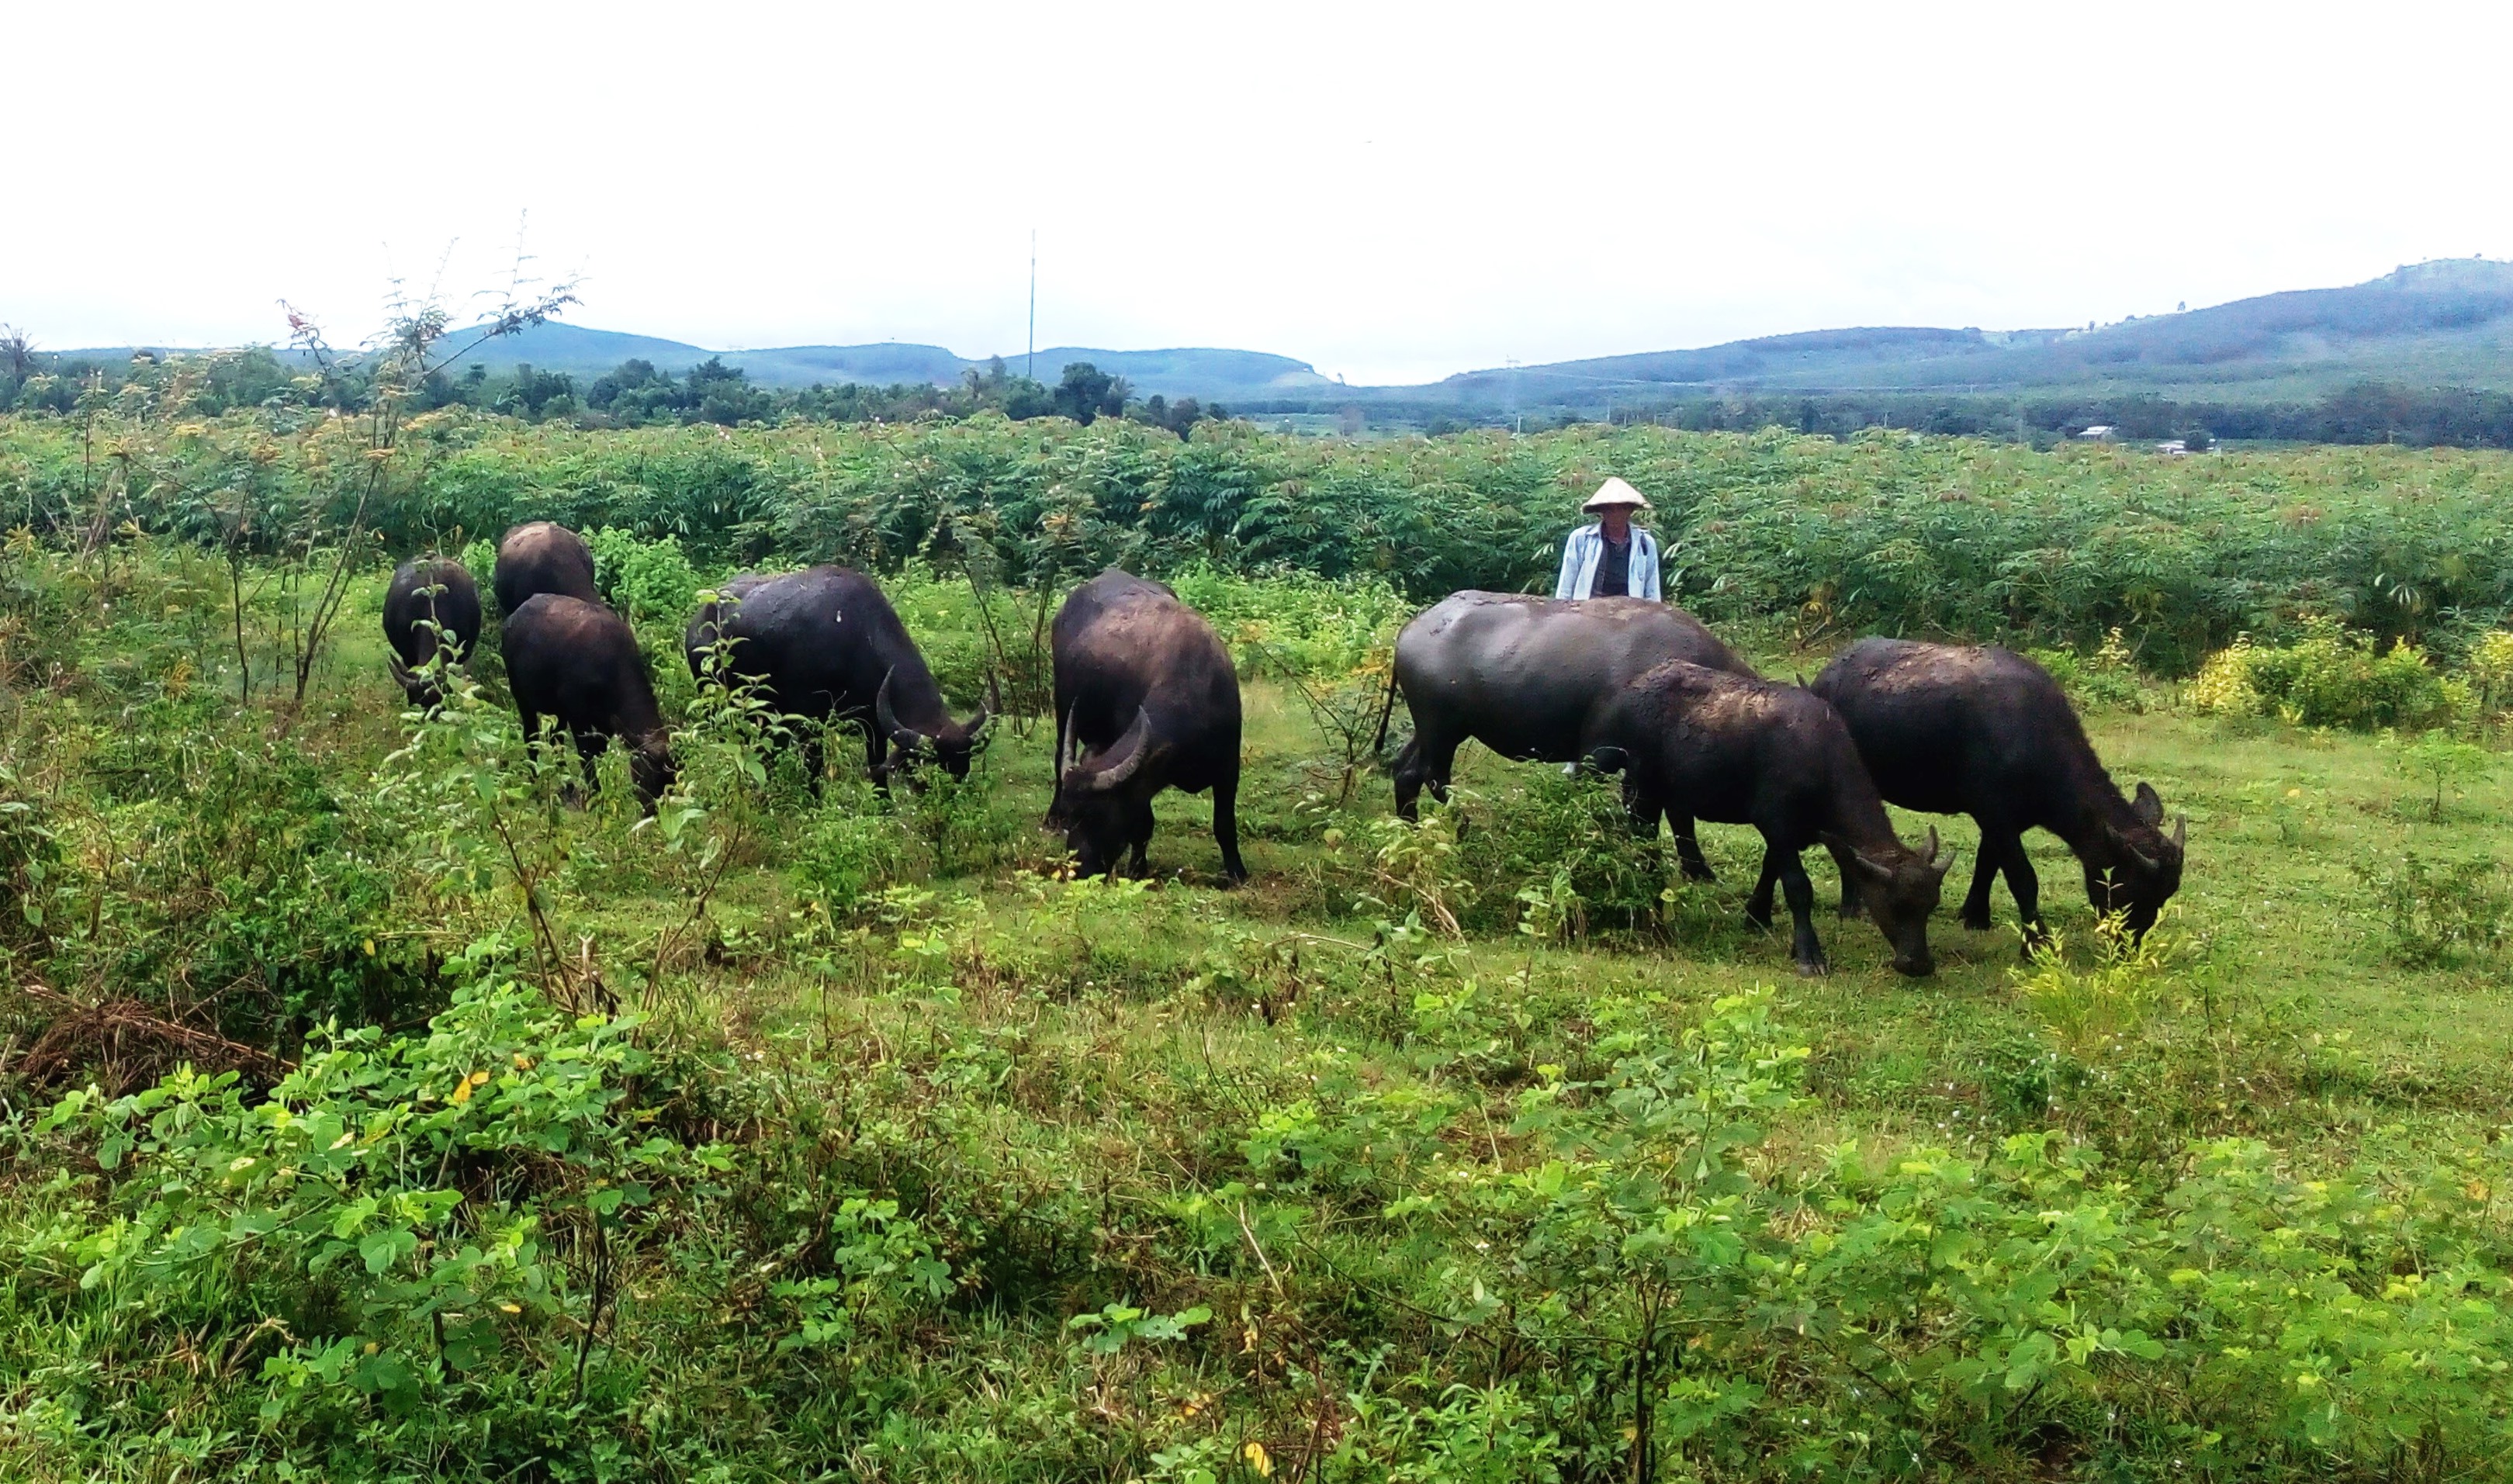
1734 749
1529 677
826 643
1146 699
542 556
438 590
579 661
1953 730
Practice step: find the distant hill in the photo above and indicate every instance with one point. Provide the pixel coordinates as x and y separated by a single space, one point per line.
1208 374
2442 324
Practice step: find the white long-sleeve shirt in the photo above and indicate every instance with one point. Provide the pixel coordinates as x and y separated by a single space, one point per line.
1587 548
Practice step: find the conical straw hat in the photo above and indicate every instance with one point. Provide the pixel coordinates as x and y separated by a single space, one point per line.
1613 492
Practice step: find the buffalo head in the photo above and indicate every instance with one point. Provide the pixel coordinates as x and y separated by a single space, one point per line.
2139 868
953 745
1899 891
1099 814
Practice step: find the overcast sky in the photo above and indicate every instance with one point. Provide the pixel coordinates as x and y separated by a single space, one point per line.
1391 192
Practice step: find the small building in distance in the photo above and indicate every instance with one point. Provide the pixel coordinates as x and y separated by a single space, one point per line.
2173 448
2101 433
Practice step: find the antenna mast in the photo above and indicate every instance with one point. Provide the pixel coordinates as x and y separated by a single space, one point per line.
1032 371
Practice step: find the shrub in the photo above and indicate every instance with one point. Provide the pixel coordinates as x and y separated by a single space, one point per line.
645 580
385 1209
2224 684
2109 677
2435 913
2331 677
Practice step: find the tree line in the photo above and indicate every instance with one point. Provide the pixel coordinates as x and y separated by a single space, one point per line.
636 393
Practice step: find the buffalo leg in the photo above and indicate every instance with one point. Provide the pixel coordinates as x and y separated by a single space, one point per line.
1758 906
589 746
1687 850
2027 890
531 737
1804 946
814 759
1225 827
1850 906
1141 865
1424 762
875 752
1994 844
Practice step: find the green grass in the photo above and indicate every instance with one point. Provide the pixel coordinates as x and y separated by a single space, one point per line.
1077 1098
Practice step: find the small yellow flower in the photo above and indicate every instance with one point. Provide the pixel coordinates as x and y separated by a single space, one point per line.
1254 1453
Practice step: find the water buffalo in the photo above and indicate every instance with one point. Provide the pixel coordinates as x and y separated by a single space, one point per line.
542 556
826 643
438 591
578 663
1952 730
1146 699
1734 749
1529 677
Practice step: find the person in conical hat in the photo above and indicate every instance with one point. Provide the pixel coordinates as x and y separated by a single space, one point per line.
1612 558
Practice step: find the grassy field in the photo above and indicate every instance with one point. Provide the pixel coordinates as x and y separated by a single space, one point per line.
839 1138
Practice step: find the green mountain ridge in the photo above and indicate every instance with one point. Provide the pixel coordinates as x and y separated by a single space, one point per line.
2442 323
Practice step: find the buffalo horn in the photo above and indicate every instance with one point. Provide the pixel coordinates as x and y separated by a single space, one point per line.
2181 831
2144 861
1064 747
905 737
1114 775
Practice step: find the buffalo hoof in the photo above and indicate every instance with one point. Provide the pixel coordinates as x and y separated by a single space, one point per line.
1812 968
1852 911
1697 871
1976 922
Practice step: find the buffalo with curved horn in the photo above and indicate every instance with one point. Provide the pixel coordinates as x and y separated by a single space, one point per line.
825 644
1950 729
1146 699
432 605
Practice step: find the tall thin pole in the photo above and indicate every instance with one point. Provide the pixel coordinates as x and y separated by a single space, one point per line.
1032 371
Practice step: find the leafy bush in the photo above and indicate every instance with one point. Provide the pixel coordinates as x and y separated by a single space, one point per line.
2435 913
2331 677
645 580
2109 677
387 1211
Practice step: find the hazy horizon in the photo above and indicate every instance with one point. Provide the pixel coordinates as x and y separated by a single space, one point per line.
1393 195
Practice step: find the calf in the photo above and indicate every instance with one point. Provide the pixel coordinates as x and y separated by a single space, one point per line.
578 662
1146 699
1947 729
432 604
542 556
1734 750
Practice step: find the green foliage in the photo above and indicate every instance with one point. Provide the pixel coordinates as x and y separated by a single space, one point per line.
2439 913
333 1210
2109 677
2440 762
647 580
2335 678
1899 535
854 1137
2089 1013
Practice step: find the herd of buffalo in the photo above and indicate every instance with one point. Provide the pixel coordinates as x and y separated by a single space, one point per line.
1146 699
